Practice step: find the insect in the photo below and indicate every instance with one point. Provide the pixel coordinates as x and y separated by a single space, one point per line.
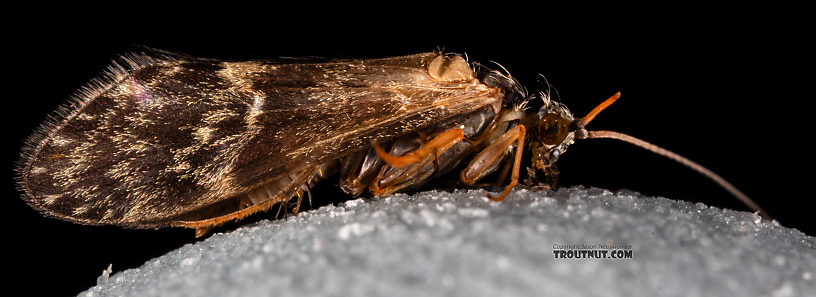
165 139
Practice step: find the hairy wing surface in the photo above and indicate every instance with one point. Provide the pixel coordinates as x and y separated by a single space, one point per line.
165 136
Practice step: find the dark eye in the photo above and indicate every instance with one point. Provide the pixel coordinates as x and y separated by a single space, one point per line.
552 129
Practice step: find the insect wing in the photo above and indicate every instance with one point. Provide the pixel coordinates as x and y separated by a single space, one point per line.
162 139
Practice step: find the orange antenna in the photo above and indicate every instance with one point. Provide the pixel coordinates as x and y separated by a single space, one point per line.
580 123
682 160
595 111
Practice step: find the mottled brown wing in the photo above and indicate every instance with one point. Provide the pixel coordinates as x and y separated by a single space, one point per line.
164 136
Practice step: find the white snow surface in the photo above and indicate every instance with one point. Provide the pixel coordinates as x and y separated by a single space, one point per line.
461 244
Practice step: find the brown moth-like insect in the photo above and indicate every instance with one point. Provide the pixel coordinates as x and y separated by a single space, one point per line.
170 140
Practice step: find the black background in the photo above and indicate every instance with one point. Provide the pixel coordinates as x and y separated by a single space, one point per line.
726 91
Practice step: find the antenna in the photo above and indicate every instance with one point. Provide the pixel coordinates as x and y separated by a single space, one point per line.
665 153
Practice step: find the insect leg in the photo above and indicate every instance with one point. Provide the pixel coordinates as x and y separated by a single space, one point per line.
491 153
299 200
427 152
303 188
440 143
281 206
204 226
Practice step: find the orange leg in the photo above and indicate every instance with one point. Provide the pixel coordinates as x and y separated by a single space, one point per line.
394 184
491 153
299 194
440 143
427 152
202 227
284 205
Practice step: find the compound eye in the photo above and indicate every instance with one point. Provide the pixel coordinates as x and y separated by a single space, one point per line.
552 129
